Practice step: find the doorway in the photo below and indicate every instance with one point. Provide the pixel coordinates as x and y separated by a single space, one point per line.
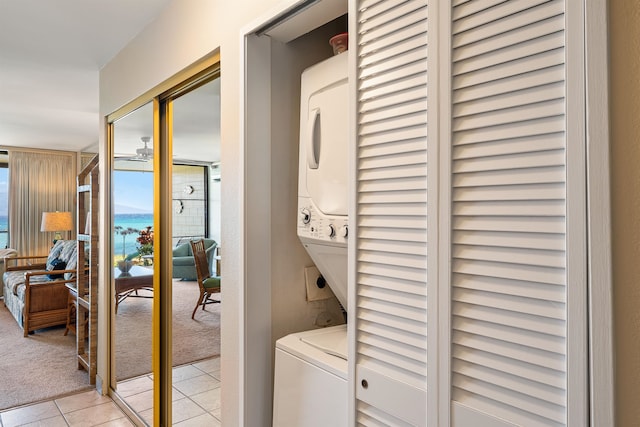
165 182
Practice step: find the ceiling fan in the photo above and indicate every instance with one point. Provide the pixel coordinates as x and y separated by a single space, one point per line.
143 154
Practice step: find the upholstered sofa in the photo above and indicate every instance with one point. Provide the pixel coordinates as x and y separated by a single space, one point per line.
34 286
184 266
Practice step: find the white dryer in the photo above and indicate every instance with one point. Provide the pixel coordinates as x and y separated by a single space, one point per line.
323 167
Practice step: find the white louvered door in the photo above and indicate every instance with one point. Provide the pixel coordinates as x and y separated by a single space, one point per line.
391 213
508 219
517 252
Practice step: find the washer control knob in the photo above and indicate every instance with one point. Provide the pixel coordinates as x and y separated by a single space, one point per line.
305 215
330 230
344 231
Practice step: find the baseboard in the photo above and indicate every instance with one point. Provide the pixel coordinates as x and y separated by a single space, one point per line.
99 384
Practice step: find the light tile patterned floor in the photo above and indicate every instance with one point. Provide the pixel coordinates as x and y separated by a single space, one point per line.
196 402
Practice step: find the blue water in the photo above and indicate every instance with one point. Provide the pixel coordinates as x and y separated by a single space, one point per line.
137 221
4 227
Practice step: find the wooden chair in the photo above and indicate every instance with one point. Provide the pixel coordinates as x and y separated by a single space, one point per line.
208 284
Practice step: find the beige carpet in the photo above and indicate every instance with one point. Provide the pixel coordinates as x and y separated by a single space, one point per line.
43 366
38 367
193 340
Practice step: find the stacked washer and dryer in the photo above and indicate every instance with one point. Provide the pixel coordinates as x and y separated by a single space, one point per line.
310 384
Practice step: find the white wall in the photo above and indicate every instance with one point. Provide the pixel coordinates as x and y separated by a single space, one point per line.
185 32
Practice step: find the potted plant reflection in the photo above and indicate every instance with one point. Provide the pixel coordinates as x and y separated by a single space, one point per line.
144 243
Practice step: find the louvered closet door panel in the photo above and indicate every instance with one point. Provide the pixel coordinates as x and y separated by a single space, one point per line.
391 213
508 247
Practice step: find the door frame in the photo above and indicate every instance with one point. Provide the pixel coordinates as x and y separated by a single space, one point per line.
601 331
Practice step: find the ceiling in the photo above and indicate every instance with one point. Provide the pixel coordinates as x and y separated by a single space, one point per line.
51 52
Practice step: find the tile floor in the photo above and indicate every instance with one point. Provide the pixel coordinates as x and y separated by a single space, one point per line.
196 402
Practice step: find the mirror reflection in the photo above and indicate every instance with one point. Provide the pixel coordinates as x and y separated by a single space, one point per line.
197 250
132 258
195 213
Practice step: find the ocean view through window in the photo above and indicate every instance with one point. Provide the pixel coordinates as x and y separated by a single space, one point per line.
139 221
4 205
133 198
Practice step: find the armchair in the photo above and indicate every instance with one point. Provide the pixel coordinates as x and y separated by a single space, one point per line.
184 266
208 283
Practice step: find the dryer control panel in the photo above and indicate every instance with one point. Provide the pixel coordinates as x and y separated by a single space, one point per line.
312 224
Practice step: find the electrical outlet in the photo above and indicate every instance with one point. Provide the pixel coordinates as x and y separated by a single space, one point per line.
314 292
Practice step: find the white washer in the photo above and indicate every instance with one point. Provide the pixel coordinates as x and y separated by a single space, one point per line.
310 387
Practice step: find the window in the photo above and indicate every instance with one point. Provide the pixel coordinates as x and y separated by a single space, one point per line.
4 199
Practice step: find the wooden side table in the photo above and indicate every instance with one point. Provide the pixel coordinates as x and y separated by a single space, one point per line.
72 308
72 303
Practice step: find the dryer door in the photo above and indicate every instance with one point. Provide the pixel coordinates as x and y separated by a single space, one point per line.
325 136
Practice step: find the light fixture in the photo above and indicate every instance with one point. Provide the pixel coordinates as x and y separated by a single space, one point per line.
58 222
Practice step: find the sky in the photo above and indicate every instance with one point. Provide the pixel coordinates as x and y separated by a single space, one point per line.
132 191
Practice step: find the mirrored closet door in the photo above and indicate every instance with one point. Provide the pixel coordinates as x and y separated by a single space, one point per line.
166 254
132 221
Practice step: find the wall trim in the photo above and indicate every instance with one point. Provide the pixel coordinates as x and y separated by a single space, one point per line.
601 362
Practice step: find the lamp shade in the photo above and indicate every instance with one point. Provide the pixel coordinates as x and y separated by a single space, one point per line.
56 221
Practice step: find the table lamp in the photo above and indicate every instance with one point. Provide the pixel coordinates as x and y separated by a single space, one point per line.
58 222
